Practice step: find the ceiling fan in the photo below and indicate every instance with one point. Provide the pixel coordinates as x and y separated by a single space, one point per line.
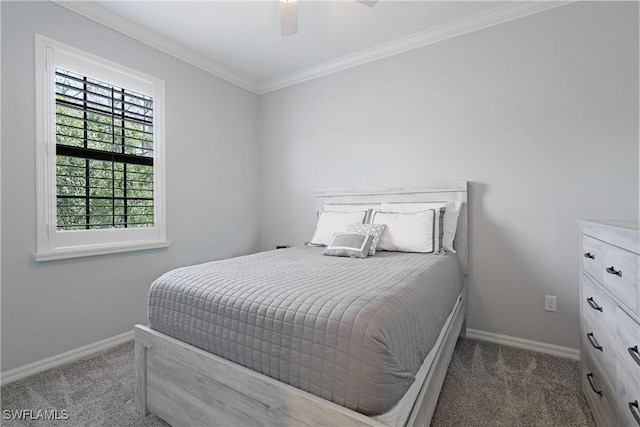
289 15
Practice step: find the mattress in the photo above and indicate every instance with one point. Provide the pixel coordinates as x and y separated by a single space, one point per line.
352 331
396 416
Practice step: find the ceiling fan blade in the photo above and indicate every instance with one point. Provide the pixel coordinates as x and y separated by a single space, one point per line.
288 17
369 3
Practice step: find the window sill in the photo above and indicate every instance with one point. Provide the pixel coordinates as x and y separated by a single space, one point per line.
86 251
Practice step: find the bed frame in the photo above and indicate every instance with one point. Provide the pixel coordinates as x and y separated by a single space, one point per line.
187 386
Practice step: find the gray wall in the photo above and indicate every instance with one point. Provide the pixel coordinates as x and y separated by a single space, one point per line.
539 114
212 191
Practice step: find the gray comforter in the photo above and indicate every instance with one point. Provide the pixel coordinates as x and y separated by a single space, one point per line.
352 331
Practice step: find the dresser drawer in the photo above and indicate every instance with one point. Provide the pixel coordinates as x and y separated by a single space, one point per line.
597 305
620 274
628 368
592 256
598 391
628 395
628 338
599 342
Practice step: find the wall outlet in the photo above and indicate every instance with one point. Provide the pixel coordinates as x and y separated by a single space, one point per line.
550 303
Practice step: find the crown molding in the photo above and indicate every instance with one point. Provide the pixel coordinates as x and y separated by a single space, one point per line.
479 21
116 22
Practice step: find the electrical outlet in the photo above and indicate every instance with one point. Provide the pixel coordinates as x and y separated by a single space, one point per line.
550 303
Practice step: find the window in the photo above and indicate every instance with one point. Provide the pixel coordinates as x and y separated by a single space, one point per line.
104 155
99 147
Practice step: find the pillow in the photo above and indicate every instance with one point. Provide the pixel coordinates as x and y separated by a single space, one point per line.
351 207
373 230
450 225
406 232
438 207
450 220
330 222
354 245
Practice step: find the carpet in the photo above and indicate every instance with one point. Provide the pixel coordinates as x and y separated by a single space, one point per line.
486 385
493 385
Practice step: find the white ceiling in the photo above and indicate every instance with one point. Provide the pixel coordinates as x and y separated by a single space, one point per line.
241 42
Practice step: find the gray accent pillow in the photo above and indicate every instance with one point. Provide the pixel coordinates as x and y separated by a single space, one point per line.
373 230
354 245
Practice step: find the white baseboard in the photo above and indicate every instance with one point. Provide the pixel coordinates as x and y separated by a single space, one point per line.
540 347
60 359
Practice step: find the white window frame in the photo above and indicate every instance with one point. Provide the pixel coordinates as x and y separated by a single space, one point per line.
51 243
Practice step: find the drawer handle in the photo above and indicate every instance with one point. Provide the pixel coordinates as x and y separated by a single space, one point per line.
589 255
593 342
593 304
633 407
589 376
635 355
612 270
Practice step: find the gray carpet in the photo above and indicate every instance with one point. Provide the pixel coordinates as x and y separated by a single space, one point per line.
493 385
487 385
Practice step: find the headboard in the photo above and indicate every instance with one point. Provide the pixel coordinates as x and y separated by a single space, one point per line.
432 192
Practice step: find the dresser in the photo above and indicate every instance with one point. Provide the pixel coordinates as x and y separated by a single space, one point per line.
610 320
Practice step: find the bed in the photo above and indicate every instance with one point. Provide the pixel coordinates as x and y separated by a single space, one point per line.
291 337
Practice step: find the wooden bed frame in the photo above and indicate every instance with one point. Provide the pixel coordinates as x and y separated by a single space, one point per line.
187 386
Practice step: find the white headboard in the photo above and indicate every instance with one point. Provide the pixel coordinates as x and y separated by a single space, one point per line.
433 192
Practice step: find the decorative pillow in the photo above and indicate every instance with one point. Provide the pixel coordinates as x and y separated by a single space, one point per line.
330 222
373 230
406 232
445 225
354 245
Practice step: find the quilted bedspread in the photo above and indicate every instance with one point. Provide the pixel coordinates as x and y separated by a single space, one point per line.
352 331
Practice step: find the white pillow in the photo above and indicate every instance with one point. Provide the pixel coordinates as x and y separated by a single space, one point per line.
352 207
450 225
406 232
450 220
330 222
438 207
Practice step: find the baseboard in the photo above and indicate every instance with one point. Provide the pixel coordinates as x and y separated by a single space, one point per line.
60 359
540 347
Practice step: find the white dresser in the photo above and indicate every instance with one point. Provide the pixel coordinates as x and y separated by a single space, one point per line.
610 321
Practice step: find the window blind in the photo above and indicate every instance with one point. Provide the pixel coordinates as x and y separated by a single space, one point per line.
104 155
